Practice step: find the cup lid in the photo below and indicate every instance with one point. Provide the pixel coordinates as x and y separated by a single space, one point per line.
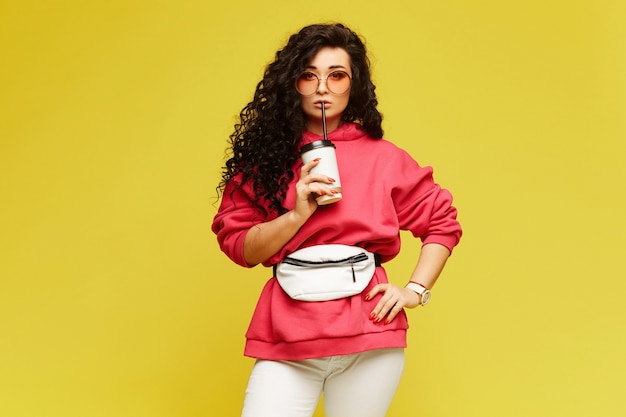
317 144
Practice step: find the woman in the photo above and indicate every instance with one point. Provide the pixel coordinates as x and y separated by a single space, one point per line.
350 348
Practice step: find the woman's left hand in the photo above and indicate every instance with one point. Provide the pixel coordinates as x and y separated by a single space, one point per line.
394 299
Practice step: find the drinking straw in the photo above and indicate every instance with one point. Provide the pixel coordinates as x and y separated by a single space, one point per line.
324 122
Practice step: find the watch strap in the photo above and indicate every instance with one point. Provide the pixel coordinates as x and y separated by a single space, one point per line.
422 291
414 286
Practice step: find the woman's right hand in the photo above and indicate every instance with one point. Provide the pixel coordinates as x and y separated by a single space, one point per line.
263 240
308 188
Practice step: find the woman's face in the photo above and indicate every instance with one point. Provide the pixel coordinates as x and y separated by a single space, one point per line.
332 67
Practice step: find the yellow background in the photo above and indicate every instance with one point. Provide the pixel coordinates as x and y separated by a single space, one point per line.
114 115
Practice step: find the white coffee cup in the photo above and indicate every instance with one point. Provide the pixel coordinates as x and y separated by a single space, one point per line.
325 150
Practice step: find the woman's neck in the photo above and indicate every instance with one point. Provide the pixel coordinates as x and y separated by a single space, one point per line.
318 128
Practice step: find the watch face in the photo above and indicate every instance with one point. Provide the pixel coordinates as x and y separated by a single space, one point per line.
425 297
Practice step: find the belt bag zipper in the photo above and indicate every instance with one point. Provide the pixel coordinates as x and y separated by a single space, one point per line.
312 264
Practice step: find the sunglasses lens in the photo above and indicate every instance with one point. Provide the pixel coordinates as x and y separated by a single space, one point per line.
338 82
307 83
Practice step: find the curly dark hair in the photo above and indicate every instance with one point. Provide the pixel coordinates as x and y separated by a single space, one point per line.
264 145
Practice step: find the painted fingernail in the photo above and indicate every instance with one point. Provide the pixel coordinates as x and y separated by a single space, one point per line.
372 316
331 179
367 297
317 159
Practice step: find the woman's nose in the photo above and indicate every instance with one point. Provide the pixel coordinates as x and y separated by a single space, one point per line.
322 87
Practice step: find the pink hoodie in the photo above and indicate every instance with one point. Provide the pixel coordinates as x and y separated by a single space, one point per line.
384 191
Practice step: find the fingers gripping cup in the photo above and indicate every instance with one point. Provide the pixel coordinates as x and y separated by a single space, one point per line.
325 150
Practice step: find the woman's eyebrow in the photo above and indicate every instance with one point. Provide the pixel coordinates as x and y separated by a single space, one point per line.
331 67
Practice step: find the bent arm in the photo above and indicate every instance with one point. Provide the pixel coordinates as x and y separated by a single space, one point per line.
265 239
430 263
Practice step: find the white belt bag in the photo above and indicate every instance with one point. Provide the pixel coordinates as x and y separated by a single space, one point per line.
326 272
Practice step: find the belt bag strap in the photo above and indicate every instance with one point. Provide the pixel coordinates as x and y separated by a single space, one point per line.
326 272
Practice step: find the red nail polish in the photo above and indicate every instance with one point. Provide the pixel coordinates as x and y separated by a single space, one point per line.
372 316
367 297
331 179
317 159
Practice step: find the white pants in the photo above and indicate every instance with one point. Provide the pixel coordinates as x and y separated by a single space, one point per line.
359 385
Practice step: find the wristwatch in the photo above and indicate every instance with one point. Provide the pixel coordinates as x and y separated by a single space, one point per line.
423 292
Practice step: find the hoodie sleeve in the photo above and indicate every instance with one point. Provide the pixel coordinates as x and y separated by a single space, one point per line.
236 215
422 206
